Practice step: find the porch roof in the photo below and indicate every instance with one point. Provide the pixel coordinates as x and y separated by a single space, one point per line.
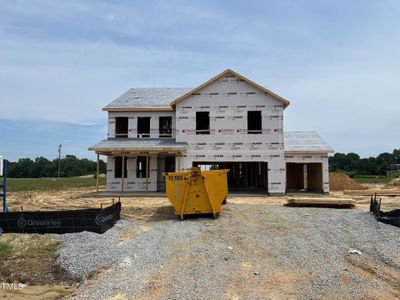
305 142
133 145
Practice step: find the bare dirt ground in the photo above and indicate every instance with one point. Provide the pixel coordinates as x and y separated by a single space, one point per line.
31 262
257 269
144 207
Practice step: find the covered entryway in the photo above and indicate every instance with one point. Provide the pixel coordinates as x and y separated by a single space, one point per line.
242 176
304 177
138 165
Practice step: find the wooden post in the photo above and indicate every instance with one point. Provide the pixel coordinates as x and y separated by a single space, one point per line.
147 172
179 162
97 173
123 174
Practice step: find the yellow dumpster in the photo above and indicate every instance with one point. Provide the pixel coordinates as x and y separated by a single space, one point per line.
197 192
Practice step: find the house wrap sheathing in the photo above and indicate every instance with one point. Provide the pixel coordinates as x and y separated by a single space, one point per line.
227 122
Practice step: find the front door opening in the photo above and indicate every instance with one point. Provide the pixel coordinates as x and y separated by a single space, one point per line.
118 167
142 168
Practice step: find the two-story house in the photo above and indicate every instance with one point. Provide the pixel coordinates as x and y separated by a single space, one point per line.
227 122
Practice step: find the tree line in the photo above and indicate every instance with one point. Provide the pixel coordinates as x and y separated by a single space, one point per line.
353 165
43 167
350 163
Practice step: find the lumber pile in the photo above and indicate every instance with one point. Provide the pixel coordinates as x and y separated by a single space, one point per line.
321 201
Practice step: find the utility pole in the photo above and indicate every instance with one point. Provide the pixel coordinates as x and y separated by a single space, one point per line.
59 160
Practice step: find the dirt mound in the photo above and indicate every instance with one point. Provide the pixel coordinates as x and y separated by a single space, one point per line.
393 183
340 182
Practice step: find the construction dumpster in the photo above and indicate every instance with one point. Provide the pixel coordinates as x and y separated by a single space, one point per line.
197 192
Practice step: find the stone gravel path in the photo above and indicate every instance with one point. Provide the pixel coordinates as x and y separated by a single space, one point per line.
252 251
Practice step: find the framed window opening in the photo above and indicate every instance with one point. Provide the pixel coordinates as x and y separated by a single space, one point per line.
143 127
165 127
202 122
121 127
254 122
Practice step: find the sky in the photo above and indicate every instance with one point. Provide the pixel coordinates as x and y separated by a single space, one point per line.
61 62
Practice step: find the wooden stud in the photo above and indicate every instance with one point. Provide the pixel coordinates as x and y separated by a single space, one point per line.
123 174
97 173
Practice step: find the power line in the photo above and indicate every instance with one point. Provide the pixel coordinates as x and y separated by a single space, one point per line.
59 160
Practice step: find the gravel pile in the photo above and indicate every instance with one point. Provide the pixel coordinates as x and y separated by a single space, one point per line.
250 251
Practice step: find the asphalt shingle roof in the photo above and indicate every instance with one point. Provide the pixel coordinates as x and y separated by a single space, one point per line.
305 141
116 144
147 97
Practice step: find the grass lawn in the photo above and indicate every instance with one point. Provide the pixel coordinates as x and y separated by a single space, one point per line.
5 249
32 184
372 179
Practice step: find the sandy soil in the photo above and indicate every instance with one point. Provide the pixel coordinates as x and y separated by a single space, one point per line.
145 207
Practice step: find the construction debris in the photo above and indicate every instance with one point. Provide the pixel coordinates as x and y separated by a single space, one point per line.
321 201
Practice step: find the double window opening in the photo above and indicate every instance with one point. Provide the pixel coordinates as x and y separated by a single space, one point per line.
142 167
143 127
254 122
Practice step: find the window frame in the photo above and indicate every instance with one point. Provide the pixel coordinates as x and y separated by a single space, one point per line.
160 133
254 131
202 131
145 134
116 131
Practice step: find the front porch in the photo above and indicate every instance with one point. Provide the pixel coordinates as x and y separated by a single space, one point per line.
138 165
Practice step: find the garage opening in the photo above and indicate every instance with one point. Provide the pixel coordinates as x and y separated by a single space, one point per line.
143 127
242 176
304 177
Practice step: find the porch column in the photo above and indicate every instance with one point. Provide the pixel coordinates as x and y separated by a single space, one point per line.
147 172
123 174
179 162
97 173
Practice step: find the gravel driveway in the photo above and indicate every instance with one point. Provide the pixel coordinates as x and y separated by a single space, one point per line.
252 251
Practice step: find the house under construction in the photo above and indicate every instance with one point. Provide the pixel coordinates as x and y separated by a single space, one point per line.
228 122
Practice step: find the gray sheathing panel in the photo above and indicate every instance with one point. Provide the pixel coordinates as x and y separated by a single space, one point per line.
147 98
304 141
125 143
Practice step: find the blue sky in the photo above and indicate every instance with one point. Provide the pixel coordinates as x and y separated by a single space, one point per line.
338 62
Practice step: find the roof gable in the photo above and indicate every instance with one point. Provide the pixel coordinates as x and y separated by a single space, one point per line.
230 72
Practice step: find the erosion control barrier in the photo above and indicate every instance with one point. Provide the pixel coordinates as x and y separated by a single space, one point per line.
64 221
390 217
